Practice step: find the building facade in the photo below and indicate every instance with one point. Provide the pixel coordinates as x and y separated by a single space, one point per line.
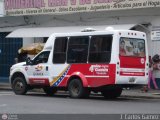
2 8
47 14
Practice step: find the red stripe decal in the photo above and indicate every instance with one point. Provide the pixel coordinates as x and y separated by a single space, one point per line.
132 73
39 81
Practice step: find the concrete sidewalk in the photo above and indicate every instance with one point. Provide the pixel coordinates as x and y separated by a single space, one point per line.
133 93
137 93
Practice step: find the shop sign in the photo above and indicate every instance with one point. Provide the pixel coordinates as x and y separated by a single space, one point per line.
35 7
155 33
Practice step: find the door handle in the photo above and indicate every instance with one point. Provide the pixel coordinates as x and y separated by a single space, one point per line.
46 68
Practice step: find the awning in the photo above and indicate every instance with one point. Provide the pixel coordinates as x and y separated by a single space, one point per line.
47 31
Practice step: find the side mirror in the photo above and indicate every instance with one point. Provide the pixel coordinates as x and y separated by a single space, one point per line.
29 61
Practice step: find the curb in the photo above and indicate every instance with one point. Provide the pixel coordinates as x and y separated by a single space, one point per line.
139 97
5 86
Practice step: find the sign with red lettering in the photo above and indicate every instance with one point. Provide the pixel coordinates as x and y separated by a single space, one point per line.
35 7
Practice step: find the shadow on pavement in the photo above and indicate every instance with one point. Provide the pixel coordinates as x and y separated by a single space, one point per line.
91 97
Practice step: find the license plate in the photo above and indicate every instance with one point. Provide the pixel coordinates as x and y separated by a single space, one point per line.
132 80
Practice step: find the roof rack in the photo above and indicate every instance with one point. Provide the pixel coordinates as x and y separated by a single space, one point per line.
109 28
88 30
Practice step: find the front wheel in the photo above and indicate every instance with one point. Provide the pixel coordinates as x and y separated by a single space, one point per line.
76 89
112 93
19 86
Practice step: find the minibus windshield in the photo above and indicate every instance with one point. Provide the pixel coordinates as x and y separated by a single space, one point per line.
132 47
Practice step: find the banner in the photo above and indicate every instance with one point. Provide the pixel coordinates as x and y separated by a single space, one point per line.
36 7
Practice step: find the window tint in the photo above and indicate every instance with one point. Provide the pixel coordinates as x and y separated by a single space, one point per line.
78 49
60 46
41 58
100 49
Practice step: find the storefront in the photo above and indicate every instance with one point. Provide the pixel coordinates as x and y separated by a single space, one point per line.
35 21
67 13
8 48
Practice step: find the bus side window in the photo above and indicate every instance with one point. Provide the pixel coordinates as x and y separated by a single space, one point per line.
100 49
60 47
78 49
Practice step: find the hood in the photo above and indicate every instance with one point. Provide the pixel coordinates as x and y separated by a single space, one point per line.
19 64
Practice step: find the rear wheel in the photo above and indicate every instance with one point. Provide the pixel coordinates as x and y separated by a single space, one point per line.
76 89
19 86
50 91
112 93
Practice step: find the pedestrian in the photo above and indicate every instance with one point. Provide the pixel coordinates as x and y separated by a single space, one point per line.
154 70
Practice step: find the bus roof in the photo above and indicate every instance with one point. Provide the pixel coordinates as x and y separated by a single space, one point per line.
49 43
106 32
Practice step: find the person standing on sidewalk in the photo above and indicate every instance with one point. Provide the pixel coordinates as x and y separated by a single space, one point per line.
154 73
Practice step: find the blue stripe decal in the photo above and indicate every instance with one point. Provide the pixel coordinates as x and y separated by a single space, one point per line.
61 78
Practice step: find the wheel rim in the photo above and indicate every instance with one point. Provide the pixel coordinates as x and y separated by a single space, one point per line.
75 89
19 86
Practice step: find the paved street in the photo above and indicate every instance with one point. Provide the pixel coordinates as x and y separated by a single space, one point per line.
62 103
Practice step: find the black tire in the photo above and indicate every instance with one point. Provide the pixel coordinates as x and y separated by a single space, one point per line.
50 91
112 93
76 89
19 86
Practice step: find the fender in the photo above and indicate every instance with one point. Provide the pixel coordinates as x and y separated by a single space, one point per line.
21 71
81 76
